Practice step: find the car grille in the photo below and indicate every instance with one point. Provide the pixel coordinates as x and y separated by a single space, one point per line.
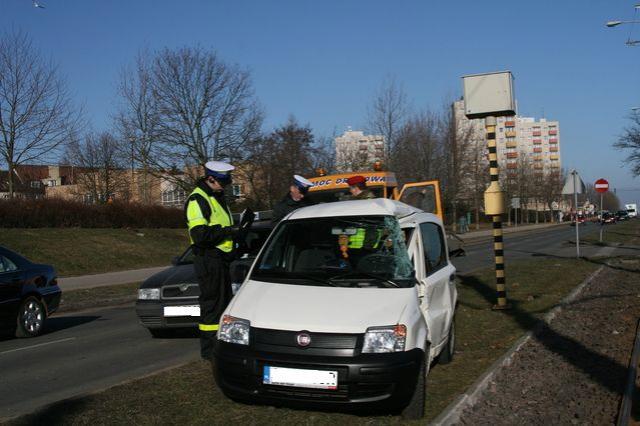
181 291
318 340
150 321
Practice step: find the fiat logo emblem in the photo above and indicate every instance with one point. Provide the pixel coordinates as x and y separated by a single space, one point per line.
184 287
303 339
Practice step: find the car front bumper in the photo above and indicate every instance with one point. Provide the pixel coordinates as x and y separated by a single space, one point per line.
375 382
151 314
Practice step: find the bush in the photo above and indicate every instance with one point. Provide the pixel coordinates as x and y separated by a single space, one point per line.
58 213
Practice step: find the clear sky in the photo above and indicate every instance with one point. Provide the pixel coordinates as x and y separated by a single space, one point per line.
323 60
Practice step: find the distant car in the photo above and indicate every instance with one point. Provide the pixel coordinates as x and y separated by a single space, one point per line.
168 300
622 215
29 293
608 218
581 220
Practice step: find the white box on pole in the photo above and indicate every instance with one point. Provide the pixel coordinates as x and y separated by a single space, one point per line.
488 94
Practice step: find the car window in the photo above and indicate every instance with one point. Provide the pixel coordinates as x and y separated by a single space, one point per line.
6 265
433 244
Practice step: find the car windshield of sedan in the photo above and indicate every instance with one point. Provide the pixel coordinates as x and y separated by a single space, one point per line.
362 251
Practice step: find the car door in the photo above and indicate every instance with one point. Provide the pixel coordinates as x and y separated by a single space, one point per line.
424 196
11 279
438 282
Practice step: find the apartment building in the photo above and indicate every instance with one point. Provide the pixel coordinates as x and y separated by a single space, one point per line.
356 151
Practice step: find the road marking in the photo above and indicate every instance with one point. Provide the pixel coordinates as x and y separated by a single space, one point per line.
38 345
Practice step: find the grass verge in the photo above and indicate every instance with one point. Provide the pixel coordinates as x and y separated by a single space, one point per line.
80 251
625 233
77 300
188 395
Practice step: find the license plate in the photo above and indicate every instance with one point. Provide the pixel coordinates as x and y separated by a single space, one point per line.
182 311
317 379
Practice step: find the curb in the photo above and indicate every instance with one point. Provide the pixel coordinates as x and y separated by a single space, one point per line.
451 414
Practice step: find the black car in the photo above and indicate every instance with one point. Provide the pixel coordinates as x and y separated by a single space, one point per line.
622 215
29 293
168 300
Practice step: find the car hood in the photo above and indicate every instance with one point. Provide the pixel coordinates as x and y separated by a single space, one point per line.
172 275
319 309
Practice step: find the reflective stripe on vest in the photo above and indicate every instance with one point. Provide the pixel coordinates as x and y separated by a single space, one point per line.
219 216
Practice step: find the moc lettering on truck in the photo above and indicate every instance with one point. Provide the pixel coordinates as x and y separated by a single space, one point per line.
346 306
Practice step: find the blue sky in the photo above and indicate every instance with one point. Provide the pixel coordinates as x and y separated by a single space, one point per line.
323 60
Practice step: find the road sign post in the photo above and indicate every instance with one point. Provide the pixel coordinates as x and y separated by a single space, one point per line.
574 185
601 186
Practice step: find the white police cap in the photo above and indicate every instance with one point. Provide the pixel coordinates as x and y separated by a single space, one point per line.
301 182
218 169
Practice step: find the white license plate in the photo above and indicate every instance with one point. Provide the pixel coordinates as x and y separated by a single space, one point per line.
317 379
182 311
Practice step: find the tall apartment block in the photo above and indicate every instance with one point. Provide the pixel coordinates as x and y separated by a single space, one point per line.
355 150
521 142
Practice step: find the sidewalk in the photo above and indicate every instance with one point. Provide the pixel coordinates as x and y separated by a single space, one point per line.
476 235
109 278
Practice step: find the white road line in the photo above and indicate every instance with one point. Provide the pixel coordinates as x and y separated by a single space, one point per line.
38 345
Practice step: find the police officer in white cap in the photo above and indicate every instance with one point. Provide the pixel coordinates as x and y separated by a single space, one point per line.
210 231
295 198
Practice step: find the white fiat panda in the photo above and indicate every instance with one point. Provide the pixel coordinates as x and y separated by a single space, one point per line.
346 305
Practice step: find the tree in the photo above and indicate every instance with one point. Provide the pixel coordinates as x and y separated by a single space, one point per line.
101 173
630 141
137 120
184 107
36 114
388 112
274 159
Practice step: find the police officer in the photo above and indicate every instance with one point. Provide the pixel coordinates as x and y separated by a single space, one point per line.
358 188
295 198
209 221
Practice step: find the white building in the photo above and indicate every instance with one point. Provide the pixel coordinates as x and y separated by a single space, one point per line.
357 151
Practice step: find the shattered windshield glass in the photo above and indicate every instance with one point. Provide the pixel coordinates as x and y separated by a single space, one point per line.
363 251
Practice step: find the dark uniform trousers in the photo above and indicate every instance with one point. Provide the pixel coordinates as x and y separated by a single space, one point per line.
212 269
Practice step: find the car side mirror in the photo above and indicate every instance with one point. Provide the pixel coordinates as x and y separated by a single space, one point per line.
175 261
457 252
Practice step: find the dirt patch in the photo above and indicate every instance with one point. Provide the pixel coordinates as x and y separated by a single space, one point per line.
574 370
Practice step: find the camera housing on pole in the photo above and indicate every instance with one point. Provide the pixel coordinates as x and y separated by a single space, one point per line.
488 96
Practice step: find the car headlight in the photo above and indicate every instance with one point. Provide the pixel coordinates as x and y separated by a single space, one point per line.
385 339
234 330
149 294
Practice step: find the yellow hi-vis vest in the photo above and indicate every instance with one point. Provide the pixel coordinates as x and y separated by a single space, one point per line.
356 241
218 216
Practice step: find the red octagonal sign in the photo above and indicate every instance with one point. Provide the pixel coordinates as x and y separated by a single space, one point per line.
602 185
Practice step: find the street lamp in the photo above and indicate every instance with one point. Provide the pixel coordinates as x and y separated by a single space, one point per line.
616 23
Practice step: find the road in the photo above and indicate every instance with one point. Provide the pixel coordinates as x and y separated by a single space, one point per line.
81 353
88 351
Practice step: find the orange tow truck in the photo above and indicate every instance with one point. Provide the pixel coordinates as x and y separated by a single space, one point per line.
422 195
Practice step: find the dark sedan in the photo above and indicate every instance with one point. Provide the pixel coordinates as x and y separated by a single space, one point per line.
168 300
29 293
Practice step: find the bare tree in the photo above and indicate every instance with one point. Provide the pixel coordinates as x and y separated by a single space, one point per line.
137 121
36 114
388 113
101 174
630 141
205 110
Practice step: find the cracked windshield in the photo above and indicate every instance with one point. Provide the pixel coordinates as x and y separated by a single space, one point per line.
340 252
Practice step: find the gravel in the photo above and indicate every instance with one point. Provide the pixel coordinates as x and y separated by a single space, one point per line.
574 370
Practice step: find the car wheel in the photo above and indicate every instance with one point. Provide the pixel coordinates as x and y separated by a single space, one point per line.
31 318
415 409
446 356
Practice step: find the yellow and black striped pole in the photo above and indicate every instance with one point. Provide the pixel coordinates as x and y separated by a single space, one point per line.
494 206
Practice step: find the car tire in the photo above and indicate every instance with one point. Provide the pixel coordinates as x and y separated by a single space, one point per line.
446 356
31 317
415 409
160 333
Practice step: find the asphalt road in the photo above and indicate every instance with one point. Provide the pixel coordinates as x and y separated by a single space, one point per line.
82 353
88 351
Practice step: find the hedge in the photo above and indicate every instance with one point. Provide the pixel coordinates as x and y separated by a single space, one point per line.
58 213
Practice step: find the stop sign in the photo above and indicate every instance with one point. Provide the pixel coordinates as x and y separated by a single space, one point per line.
602 185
